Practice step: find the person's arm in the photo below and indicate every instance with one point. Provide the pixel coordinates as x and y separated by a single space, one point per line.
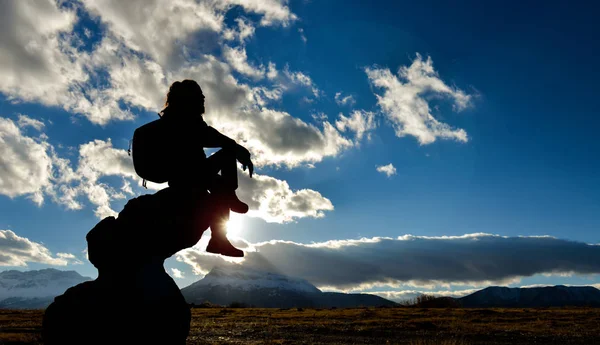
213 138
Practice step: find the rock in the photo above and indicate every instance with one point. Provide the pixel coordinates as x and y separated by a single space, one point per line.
133 300
120 312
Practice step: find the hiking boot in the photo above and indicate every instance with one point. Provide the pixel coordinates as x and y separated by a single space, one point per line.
224 247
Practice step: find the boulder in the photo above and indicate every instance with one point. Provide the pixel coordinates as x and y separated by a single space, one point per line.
133 300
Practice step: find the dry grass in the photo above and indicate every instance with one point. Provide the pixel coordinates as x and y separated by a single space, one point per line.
410 326
20 327
437 342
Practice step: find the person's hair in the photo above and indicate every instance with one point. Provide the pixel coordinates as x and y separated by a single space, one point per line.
181 97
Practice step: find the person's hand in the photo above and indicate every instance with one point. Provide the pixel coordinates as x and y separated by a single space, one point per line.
243 156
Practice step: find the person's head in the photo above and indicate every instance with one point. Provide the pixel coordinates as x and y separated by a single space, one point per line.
184 97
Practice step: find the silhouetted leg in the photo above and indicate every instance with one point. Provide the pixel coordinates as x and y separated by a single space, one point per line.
224 185
222 188
224 161
219 243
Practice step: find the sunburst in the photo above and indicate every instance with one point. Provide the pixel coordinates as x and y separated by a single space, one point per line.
234 225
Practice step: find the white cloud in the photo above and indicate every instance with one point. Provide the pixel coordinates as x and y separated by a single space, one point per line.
237 58
320 116
272 72
428 262
302 79
302 35
126 188
165 28
156 27
388 170
25 166
61 190
274 201
245 31
35 59
133 80
359 122
342 101
263 95
177 273
277 138
70 257
405 100
298 77
18 251
273 11
32 168
41 62
97 159
26 121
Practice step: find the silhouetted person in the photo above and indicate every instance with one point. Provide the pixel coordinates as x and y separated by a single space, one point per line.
134 300
191 172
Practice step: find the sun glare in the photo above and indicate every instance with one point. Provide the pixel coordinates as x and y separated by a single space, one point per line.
234 225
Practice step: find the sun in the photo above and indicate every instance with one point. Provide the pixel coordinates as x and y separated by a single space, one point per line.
234 225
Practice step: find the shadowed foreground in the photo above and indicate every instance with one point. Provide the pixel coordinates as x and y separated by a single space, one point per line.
362 326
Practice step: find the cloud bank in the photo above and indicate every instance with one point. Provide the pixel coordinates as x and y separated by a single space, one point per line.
473 259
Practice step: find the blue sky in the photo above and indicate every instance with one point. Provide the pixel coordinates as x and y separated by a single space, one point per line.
485 111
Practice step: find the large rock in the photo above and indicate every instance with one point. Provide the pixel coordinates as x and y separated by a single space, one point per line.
146 308
133 300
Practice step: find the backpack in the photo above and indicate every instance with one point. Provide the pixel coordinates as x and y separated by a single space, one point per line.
151 151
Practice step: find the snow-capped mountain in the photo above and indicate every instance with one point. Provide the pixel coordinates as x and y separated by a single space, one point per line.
22 289
252 279
224 286
549 296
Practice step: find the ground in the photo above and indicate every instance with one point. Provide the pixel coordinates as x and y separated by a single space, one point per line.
412 326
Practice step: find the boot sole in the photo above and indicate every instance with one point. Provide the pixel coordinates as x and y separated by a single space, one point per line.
222 252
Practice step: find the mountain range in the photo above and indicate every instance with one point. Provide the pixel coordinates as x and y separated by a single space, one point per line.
35 289
548 296
228 285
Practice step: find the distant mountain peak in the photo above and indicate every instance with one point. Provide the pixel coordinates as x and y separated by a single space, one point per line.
225 285
245 279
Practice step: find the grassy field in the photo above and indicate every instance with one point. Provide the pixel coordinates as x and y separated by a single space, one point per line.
413 326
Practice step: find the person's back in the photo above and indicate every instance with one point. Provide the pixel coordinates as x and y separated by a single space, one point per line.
188 159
